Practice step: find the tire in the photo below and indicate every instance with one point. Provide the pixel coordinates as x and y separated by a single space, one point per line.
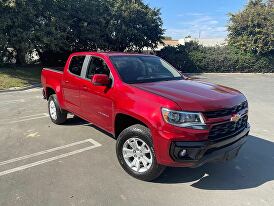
144 155
60 115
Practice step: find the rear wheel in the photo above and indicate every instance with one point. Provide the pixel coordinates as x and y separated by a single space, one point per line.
135 153
57 115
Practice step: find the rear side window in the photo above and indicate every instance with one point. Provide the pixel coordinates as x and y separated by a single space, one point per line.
76 65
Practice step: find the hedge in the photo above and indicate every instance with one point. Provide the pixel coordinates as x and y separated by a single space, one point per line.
192 58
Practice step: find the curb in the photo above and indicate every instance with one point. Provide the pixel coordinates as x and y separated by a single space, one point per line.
20 88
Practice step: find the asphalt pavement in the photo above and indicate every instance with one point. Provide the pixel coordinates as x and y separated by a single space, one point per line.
75 164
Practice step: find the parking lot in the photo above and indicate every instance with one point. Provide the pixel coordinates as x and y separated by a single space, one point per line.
75 164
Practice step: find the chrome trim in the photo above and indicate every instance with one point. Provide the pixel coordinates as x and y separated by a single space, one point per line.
85 66
202 123
49 69
226 121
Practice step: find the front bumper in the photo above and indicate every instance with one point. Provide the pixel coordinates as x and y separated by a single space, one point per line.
199 153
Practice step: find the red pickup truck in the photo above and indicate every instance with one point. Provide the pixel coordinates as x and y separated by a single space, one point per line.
159 117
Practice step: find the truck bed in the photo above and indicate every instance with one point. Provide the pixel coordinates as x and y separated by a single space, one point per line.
52 77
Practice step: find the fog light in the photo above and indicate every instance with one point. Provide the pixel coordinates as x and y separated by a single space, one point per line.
182 153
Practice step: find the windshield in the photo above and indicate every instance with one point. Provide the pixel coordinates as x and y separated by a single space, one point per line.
139 69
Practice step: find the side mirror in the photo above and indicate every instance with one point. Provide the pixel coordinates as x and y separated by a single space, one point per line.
100 80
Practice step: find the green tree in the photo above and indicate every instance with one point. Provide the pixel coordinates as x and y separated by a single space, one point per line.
54 27
179 56
71 25
167 38
16 26
252 29
133 25
193 57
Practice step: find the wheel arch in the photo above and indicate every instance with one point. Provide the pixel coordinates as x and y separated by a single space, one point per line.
123 121
49 91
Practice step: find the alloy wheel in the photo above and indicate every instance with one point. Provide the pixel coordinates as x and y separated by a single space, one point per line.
137 155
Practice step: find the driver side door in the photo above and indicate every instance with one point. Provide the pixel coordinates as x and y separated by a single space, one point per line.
96 101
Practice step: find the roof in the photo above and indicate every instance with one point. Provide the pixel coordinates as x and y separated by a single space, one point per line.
111 53
124 54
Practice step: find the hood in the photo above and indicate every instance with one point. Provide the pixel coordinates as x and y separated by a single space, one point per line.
195 95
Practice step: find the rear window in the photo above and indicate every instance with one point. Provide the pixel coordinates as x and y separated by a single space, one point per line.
76 65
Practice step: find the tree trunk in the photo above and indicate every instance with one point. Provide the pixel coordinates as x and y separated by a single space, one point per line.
20 57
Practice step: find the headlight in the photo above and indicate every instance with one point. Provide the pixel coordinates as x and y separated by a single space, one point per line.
184 119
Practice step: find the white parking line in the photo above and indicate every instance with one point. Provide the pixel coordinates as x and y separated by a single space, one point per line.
23 167
31 98
24 118
28 119
12 101
4 104
45 151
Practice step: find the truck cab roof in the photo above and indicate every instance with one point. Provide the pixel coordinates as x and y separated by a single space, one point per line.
111 53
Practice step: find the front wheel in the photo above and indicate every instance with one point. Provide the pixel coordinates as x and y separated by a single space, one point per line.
134 149
57 115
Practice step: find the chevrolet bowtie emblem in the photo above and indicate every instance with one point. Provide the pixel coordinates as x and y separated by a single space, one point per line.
235 118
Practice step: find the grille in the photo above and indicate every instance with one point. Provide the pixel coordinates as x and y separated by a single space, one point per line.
226 112
227 129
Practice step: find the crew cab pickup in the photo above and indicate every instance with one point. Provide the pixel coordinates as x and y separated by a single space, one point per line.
159 117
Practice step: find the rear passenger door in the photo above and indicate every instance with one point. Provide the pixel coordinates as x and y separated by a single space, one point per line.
72 82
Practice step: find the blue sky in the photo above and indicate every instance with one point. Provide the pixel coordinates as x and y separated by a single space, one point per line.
193 17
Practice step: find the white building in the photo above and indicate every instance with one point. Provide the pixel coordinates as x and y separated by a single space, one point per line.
205 41
209 42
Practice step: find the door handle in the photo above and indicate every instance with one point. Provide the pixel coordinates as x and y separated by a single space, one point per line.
85 87
66 81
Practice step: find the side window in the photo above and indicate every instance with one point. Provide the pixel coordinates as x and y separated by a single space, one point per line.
76 64
97 66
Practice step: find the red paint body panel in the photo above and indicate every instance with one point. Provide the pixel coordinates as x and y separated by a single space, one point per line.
100 80
53 80
97 105
195 96
100 104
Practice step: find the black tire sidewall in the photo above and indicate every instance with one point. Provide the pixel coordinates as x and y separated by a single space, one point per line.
61 116
141 132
